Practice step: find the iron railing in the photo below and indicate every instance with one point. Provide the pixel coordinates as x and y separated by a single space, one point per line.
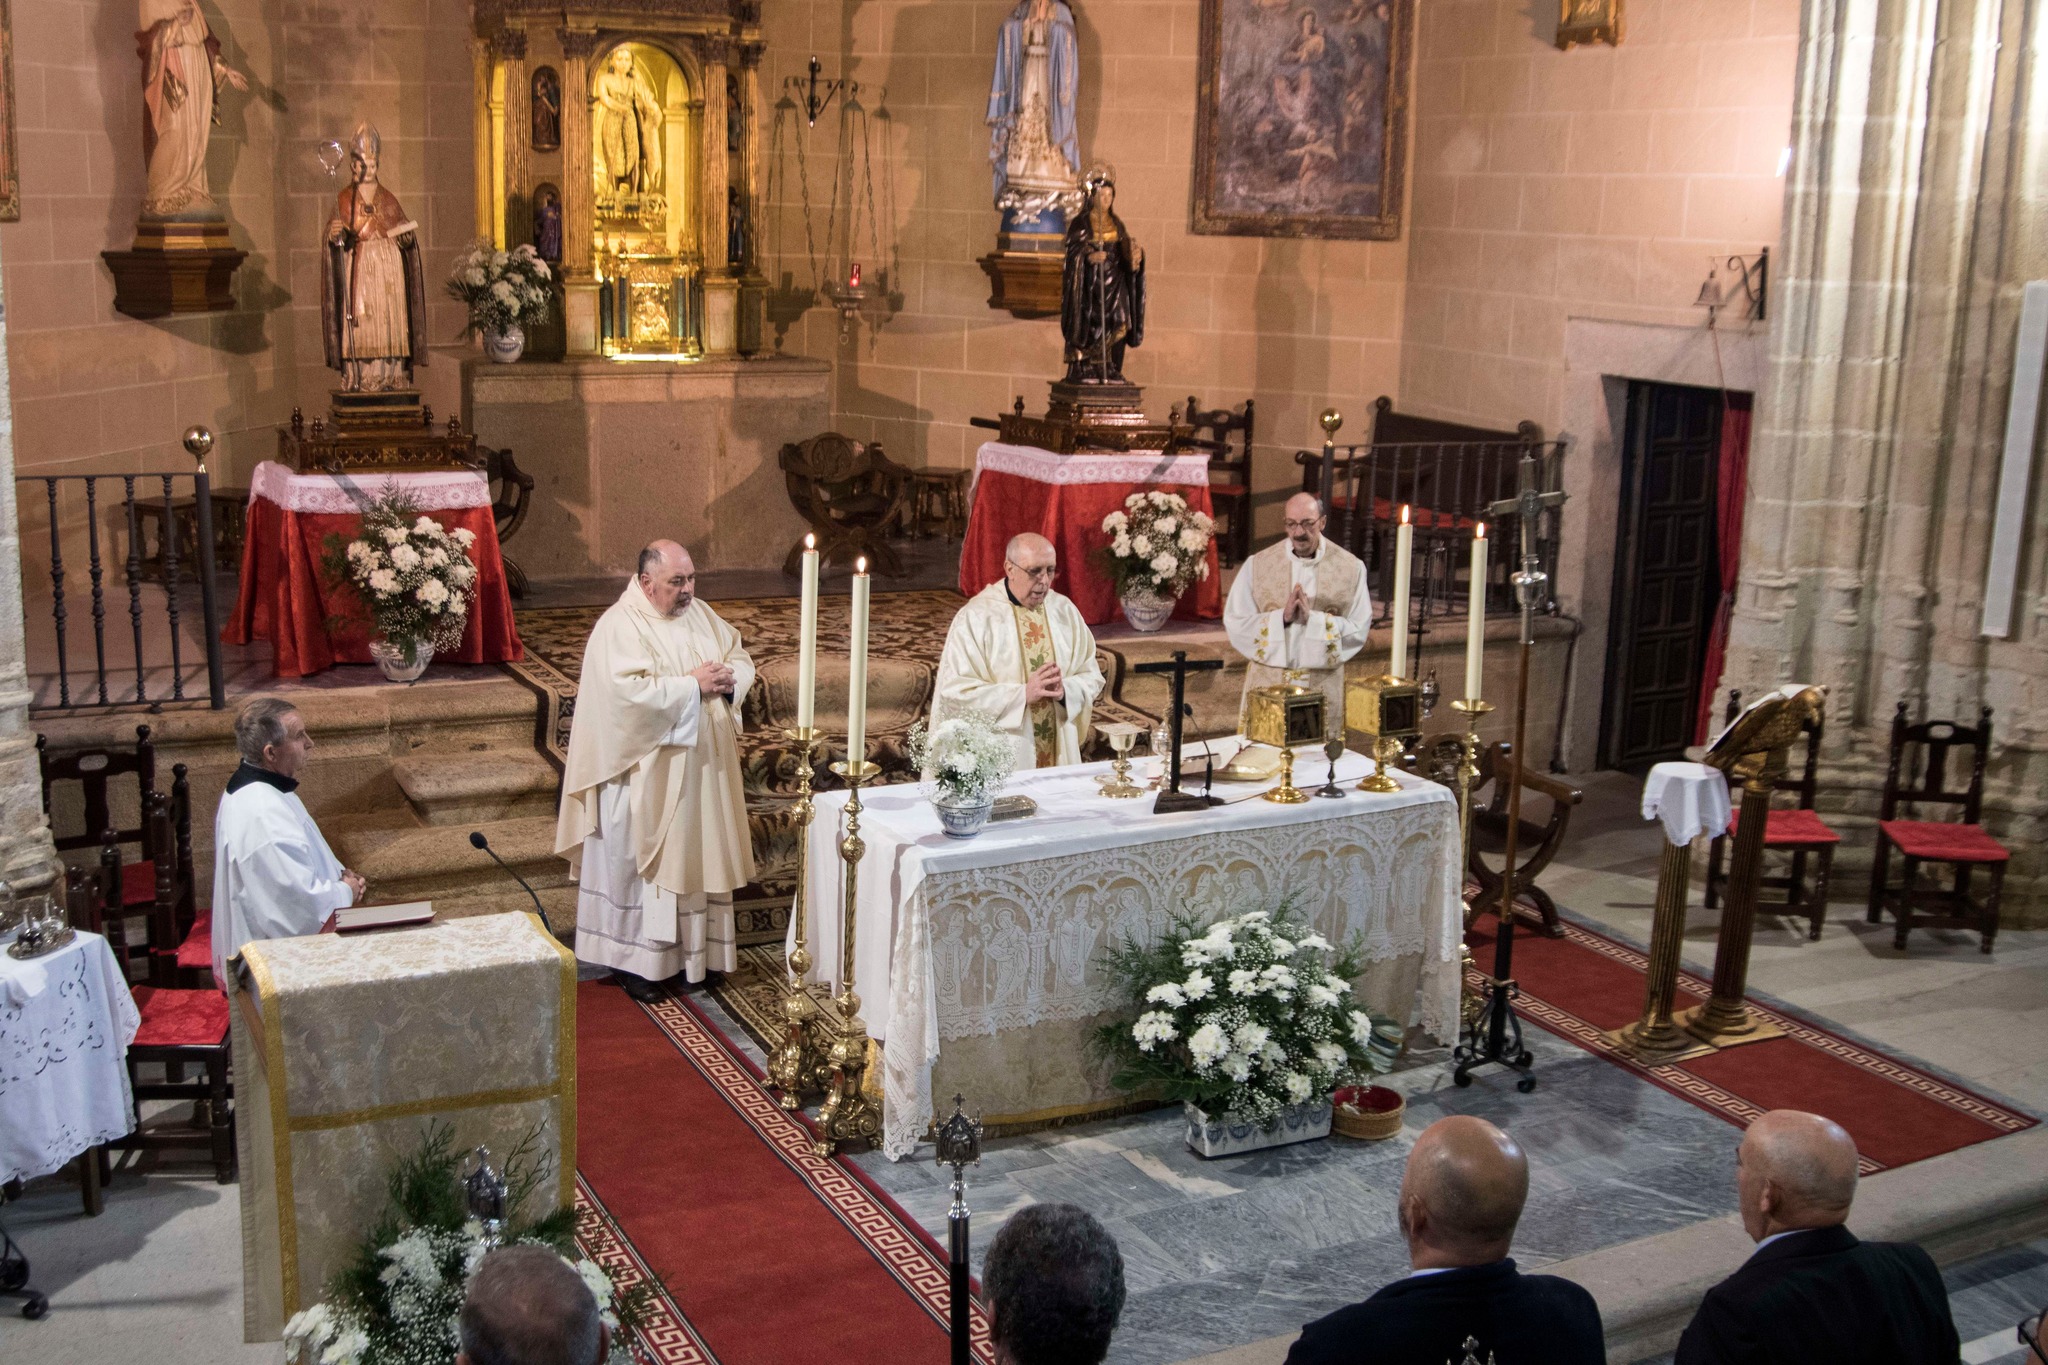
94 508
1448 487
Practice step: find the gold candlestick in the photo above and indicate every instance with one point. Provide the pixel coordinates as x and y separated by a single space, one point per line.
1654 1040
849 1114
1471 1004
793 1068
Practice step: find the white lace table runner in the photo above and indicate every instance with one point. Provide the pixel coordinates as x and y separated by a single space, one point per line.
337 494
1137 466
66 1020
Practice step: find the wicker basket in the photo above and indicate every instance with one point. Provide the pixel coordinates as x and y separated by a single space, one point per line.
1351 1117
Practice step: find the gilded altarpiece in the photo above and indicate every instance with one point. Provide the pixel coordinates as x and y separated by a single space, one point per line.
656 161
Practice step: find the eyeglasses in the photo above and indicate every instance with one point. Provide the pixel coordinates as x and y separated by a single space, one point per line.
1308 525
1044 575
2030 1335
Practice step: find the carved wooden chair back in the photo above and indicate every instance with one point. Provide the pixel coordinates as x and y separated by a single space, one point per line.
1230 471
511 490
1930 742
850 492
96 772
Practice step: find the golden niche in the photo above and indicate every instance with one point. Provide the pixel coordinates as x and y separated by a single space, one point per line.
648 266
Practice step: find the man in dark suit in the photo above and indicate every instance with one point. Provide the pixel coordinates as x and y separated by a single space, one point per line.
1811 1291
1461 1197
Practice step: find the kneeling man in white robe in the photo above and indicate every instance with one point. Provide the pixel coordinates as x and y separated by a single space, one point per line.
1300 604
1021 653
653 819
273 874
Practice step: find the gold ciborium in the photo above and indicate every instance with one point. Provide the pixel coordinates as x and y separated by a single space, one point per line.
1122 736
1387 710
1282 716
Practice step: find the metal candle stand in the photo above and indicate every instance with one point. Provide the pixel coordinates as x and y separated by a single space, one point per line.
793 1069
1470 1002
849 1113
959 1146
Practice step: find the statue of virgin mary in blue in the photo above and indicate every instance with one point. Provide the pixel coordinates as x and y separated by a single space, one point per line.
1033 150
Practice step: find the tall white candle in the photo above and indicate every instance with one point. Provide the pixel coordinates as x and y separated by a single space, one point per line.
1475 626
857 670
1404 550
807 649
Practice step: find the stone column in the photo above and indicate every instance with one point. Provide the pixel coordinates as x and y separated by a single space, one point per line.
579 208
721 291
518 205
1915 213
480 134
28 860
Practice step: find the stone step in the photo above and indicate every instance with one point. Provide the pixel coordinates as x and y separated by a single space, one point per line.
468 788
437 862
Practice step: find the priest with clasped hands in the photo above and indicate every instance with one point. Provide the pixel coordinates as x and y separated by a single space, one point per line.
653 818
1300 604
1021 653
273 874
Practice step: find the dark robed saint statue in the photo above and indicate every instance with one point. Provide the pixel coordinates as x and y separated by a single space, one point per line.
1102 292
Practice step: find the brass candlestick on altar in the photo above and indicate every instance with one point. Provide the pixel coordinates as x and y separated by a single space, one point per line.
1752 749
1284 715
793 1068
849 1113
1387 710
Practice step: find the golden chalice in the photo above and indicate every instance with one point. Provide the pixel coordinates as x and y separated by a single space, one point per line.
1122 737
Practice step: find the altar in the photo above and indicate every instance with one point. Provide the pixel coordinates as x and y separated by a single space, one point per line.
976 960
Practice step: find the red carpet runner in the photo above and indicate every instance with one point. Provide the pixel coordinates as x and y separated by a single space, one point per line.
769 1254
1583 983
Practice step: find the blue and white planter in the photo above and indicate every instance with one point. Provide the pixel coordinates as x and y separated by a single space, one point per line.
1231 1135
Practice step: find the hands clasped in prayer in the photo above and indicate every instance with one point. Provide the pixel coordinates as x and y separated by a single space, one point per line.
714 679
1296 610
1045 683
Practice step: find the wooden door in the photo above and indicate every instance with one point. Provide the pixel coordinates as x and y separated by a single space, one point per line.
1665 574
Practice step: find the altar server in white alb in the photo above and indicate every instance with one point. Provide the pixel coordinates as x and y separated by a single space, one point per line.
1301 604
653 819
273 874
1021 653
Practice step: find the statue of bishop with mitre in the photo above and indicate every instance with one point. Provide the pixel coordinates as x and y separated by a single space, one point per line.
373 296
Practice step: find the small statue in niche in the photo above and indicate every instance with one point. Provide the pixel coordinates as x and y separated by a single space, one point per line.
182 72
735 228
372 293
547 110
629 127
547 224
1102 289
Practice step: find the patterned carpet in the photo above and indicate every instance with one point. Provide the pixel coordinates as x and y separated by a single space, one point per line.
905 633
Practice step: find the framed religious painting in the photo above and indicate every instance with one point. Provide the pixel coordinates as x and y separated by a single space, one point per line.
10 166
1588 21
1301 118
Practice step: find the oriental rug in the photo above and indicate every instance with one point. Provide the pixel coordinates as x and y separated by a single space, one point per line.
906 632
1898 1112
769 1253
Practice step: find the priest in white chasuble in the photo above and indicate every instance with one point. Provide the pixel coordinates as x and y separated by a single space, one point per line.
273 874
653 819
1301 604
1021 653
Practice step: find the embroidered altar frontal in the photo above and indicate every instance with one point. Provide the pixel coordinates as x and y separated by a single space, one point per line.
347 1048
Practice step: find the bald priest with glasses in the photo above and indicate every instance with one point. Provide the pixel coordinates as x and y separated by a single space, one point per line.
1300 604
1020 653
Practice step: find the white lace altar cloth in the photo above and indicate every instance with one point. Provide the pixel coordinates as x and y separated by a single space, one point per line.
66 1020
1136 466
339 494
1690 798
958 941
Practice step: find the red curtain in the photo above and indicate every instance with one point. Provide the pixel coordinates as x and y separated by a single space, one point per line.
1732 484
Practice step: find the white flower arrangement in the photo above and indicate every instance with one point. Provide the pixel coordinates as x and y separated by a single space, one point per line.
1276 1031
1157 544
414 576
503 289
965 759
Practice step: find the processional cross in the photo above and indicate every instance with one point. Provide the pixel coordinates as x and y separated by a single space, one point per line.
1496 1037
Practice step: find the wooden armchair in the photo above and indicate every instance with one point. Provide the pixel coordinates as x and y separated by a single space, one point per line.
1535 845
1230 474
511 491
851 494
1962 846
99 776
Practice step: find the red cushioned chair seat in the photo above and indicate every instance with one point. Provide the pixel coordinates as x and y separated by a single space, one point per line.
173 1018
1793 829
197 949
1937 841
1234 490
138 884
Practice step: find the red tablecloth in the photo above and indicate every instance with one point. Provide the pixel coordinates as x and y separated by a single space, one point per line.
1064 498
286 598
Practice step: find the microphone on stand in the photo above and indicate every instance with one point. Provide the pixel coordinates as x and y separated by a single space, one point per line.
477 840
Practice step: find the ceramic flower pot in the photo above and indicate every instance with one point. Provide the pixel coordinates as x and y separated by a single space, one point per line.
961 820
1232 1135
1372 1113
391 660
1146 611
507 345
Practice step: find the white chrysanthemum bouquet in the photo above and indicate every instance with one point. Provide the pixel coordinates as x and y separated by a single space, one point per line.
1157 544
414 576
502 288
965 759
1247 1016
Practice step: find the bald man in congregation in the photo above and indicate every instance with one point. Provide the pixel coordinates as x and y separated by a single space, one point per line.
1020 653
1461 1197
1812 1290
